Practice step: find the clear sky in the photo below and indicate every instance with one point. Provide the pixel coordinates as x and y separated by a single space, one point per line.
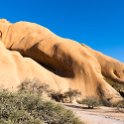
97 23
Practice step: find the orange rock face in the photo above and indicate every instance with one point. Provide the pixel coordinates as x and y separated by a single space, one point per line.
30 51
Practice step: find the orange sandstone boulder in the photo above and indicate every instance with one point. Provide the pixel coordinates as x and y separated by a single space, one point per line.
59 62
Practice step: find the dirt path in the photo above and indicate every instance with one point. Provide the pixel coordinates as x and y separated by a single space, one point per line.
101 115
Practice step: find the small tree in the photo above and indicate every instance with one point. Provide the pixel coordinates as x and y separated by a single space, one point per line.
71 94
91 102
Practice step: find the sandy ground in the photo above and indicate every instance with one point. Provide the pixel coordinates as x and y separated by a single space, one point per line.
99 115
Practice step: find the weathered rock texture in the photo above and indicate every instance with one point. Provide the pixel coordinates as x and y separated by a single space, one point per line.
63 63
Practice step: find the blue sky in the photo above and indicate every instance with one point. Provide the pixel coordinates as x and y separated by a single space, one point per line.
97 23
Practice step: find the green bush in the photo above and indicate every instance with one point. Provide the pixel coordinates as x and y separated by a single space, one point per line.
71 94
30 108
91 102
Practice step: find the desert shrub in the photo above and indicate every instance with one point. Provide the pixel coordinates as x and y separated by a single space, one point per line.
71 94
57 96
91 102
60 97
30 108
120 106
105 102
34 86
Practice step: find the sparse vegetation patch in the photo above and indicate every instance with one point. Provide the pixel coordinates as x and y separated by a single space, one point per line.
30 108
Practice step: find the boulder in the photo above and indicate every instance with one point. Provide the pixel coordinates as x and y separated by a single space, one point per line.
30 51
